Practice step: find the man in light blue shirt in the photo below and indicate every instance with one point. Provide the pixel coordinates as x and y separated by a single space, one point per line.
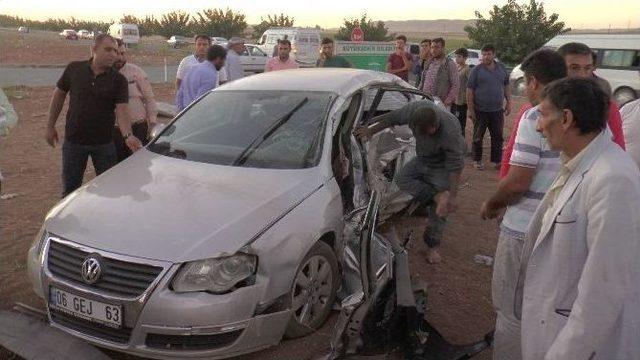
201 78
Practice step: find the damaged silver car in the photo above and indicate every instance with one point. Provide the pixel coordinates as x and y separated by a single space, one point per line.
228 231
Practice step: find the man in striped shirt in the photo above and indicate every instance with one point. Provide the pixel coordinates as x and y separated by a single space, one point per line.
534 166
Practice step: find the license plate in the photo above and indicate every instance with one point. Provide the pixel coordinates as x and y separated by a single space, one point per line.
78 306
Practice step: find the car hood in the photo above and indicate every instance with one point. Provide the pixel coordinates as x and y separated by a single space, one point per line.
162 208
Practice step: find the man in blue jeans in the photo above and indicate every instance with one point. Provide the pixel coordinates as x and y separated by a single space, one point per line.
97 93
488 101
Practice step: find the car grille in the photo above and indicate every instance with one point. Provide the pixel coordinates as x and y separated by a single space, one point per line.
119 278
191 342
90 328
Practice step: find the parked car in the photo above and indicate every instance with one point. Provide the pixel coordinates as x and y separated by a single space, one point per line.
475 57
83 34
92 35
177 41
128 33
217 40
23 29
69 34
305 43
253 59
231 222
618 62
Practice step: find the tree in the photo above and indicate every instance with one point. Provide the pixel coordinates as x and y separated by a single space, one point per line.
271 21
218 22
174 23
129 19
149 26
373 30
515 30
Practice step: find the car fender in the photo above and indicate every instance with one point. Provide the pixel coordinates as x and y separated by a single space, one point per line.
282 247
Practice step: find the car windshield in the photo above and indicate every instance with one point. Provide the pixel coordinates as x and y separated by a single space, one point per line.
263 129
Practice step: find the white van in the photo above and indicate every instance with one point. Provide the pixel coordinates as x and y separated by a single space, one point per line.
128 33
618 62
305 43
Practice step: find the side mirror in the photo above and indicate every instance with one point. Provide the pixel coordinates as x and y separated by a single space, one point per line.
157 130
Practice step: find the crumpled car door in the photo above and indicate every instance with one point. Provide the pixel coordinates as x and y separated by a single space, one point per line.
382 311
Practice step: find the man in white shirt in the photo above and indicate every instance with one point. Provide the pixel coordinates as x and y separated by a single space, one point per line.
534 165
202 44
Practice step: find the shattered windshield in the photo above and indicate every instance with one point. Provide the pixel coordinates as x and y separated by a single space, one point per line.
263 129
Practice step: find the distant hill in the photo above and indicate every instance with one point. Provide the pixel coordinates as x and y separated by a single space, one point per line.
443 26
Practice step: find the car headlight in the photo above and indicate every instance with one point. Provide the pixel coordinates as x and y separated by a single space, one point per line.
217 275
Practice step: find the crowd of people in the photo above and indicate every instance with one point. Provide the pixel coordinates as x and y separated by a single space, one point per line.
566 279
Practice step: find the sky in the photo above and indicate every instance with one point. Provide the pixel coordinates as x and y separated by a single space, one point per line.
578 14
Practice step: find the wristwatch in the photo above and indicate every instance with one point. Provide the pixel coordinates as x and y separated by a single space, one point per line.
127 136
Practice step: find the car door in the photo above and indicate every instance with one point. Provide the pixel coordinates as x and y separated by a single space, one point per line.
257 59
388 151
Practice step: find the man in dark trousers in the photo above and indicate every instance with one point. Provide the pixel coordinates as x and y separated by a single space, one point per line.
488 101
432 177
97 93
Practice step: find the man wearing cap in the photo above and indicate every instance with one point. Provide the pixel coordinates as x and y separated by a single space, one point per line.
432 176
233 66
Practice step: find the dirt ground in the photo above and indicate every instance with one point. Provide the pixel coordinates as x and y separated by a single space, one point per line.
459 289
47 48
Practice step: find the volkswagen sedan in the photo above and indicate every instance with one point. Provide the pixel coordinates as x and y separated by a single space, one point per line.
226 232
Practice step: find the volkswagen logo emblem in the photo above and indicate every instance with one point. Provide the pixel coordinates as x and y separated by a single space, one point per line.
91 269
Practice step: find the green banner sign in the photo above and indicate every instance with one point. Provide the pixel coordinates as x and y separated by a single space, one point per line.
367 55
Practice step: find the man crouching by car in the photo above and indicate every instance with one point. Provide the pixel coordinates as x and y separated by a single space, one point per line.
432 177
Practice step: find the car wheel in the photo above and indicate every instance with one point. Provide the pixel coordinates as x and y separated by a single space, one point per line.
313 292
624 95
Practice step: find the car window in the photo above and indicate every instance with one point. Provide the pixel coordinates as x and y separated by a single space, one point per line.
391 100
251 129
314 39
245 52
302 39
473 55
272 39
621 58
254 51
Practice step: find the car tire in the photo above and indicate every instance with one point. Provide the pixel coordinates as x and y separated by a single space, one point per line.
624 95
319 271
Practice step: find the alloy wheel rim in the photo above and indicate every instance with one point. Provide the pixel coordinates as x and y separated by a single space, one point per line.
312 290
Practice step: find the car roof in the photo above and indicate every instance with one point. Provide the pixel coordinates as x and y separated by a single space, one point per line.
339 81
599 41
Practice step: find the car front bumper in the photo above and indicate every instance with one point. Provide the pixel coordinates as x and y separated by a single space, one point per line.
163 324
